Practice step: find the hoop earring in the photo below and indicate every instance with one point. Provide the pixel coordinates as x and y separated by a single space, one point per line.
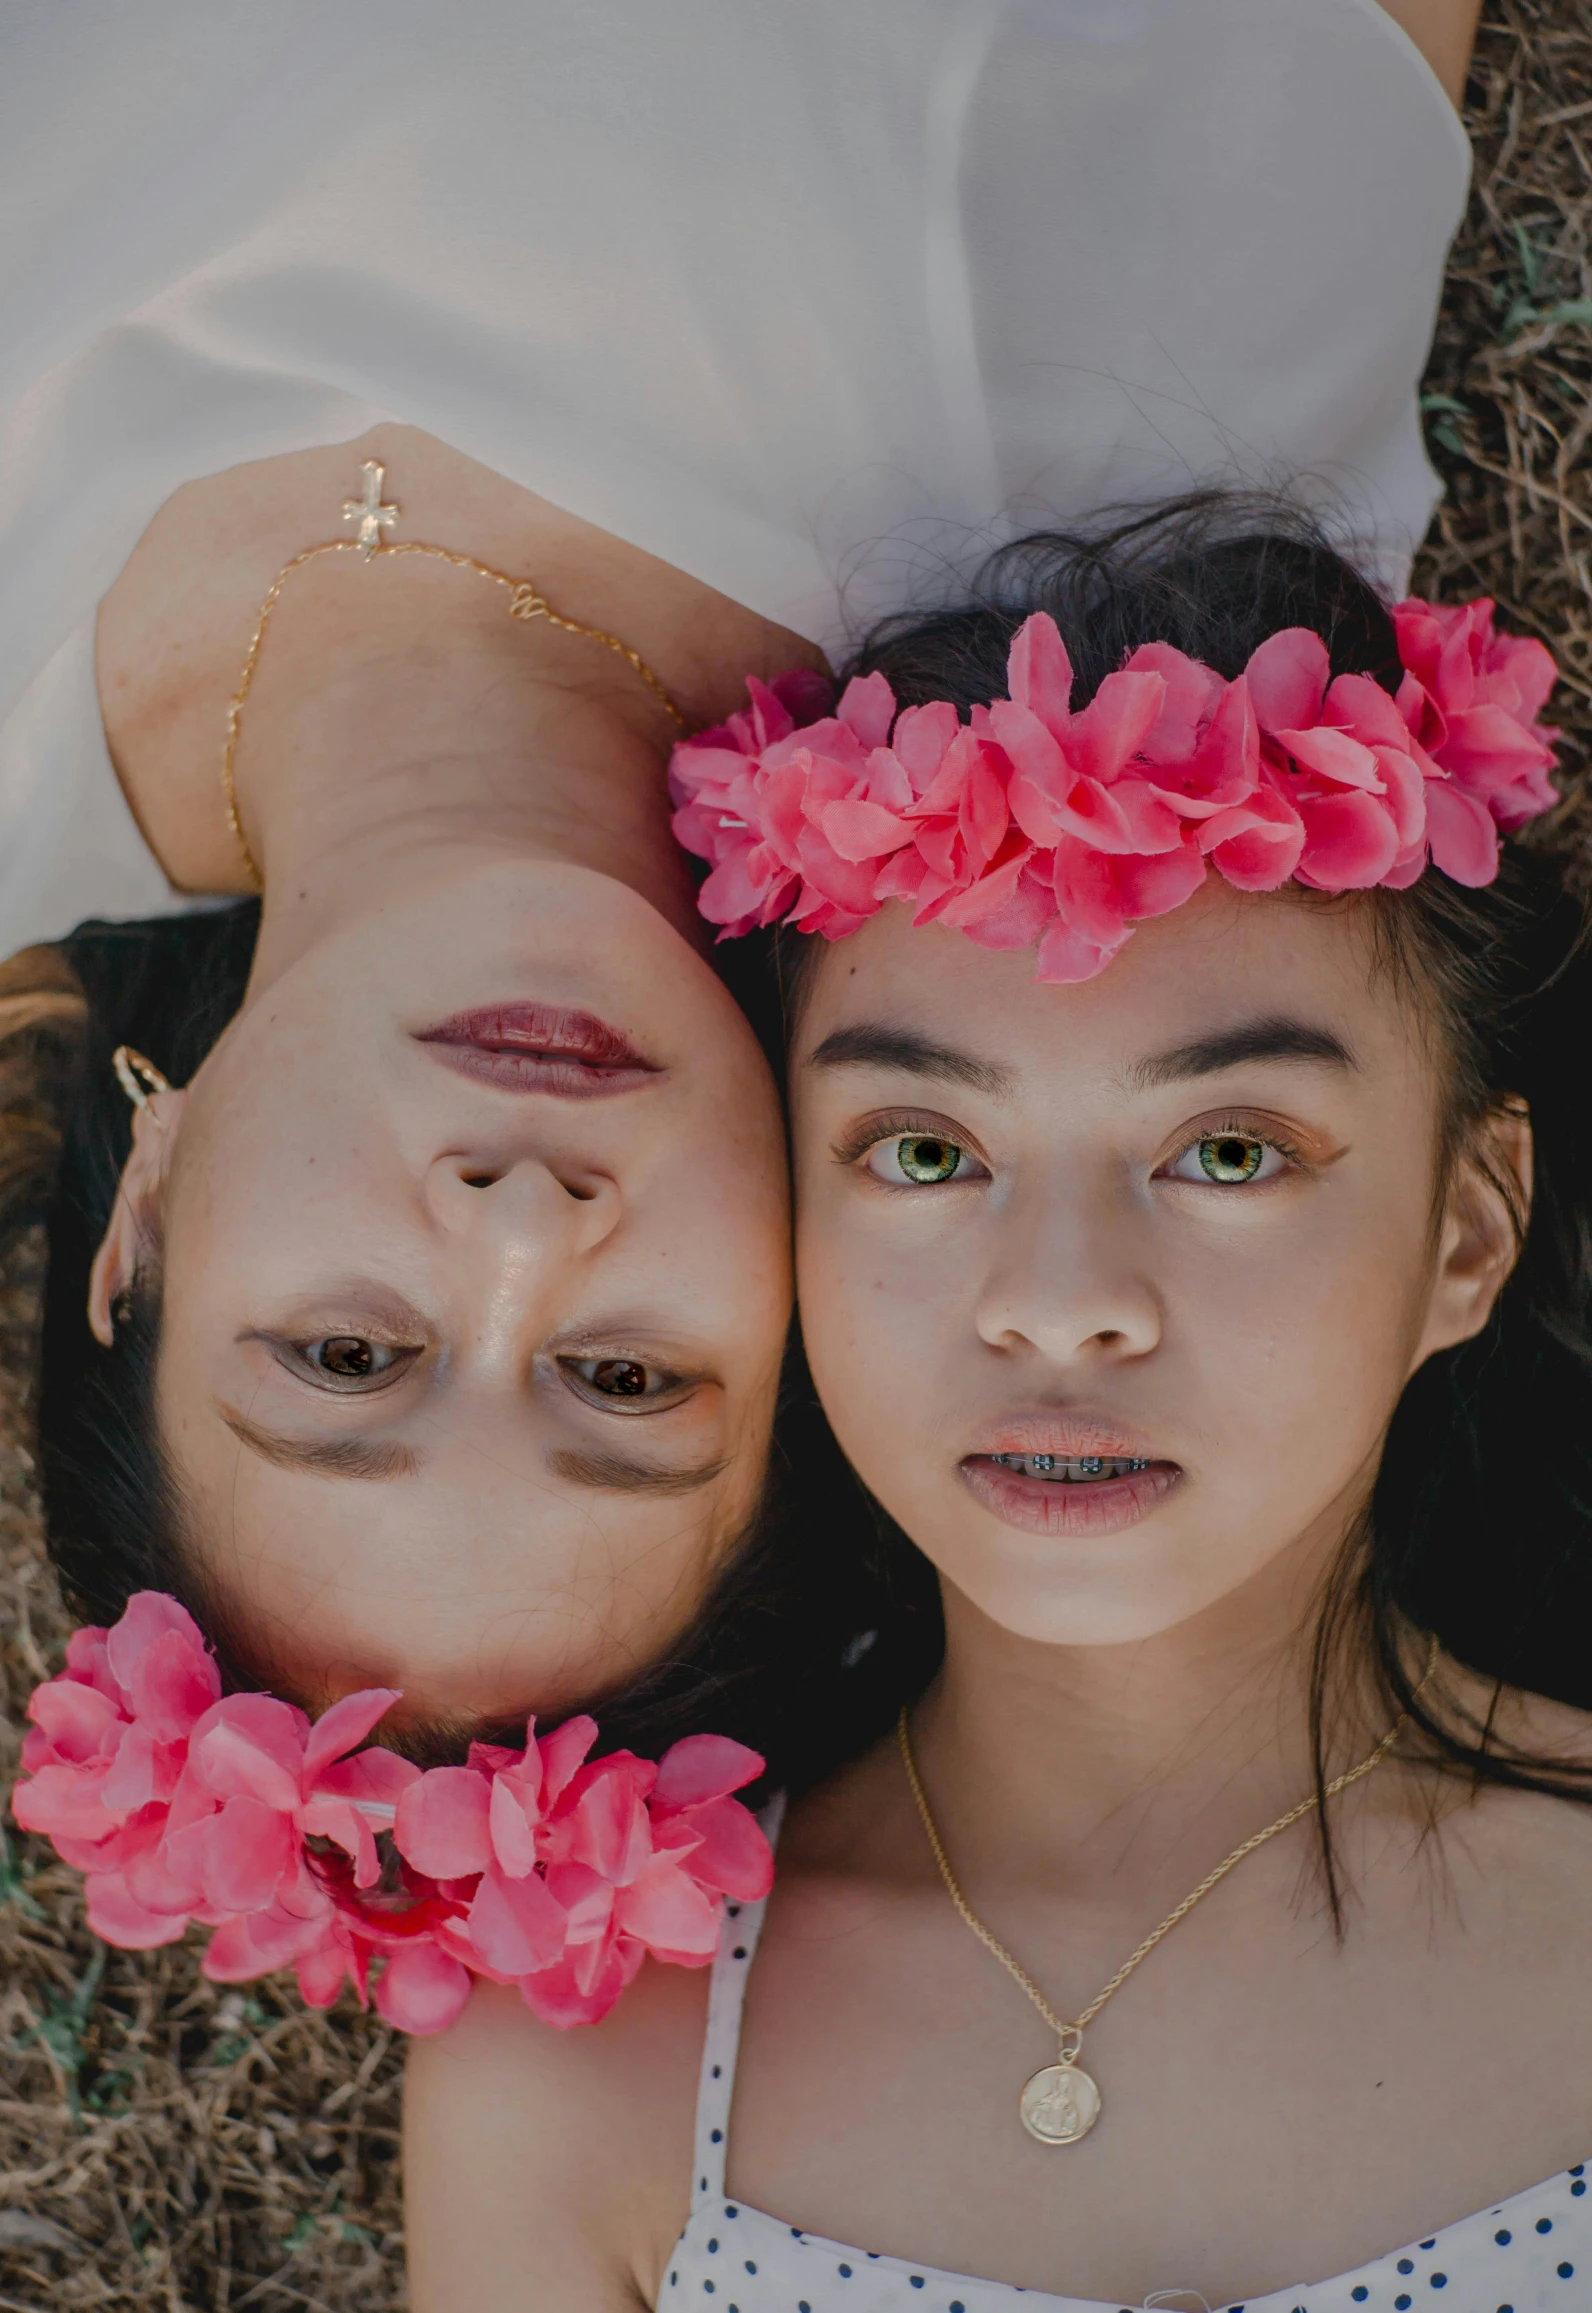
137 1076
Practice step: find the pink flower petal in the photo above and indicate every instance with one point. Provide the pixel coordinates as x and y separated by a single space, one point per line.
1039 673
1463 839
247 1849
251 1745
1112 729
1065 956
1350 842
562 1753
1287 679
148 1615
861 831
64 1800
344 1727
607 1826
422 1990
667 1911
867 708
88 1662
118 1918
516 1924
259 1944
379 1776
79 1722
442 1823
1256 844
1009 906
323 1972
1192 695
324 1817
920 740
732 1856
172 1685
143 1771
1333 755
513 1830
1153 884
559 1997
702 1767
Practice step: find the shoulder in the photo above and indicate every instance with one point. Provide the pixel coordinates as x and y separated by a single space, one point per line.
552 2167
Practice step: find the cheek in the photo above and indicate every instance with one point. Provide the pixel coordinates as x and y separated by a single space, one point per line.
1298 1342
886 1314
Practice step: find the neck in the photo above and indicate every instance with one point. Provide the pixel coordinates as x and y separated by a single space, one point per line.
1063 1766
404 726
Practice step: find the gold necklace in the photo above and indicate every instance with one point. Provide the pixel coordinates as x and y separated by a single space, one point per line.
1059 2103
374 519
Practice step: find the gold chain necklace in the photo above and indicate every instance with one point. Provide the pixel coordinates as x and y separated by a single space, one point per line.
374 519
1059 2103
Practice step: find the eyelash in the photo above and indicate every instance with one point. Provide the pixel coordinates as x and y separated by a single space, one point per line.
1237 1128
295 1356
874 1131
674 1387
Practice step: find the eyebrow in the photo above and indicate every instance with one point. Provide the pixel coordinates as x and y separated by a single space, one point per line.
1270 1038
620 1474
372 1458
873 1044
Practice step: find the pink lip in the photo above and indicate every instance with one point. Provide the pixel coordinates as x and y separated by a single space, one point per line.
1098 1506
1104 1506
539 1048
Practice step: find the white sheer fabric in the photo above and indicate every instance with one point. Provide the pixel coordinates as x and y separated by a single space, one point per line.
811 302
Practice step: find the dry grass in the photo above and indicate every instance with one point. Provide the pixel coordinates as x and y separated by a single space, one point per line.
168 2145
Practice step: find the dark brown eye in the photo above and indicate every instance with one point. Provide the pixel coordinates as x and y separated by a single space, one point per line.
619 1377
350 1357
623 1379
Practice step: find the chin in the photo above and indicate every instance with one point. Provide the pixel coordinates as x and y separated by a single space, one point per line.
1107 1594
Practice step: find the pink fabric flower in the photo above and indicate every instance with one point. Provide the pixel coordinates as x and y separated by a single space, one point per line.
1035 826
539 1867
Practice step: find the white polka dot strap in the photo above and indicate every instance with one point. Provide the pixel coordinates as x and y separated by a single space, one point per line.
1529 2254
743 1924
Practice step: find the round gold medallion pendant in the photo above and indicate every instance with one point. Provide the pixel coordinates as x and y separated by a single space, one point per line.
1059 2104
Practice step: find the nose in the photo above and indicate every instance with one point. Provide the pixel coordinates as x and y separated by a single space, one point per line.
526 1204
1069 1280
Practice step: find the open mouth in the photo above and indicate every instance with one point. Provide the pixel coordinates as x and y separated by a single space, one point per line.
1068 1493
539 1048
1064 1470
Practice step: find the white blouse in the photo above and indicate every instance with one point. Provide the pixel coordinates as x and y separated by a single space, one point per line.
814 302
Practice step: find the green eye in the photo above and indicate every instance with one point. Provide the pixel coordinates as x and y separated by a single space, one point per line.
1229 1157
926 1158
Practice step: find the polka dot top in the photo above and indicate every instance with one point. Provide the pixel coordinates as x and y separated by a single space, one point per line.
1530 2254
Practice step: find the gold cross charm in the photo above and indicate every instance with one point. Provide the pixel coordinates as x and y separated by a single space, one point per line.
369 512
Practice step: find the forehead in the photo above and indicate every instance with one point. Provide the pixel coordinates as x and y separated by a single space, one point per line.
1223 958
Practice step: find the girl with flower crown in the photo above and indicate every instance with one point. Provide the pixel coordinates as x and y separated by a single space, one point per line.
1193 1228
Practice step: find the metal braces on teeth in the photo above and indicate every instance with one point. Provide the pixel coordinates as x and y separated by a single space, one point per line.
1072 1470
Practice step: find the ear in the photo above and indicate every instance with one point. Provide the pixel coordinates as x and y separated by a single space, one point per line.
1477 1247
135 1218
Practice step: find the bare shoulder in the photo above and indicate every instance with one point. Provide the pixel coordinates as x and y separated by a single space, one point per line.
1445 33
1533 1845
552 2169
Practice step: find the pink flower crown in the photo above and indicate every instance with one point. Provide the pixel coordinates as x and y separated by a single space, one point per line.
539 1867
1032 823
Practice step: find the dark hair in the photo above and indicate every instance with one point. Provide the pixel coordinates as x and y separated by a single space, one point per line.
1467 1536
113 1521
